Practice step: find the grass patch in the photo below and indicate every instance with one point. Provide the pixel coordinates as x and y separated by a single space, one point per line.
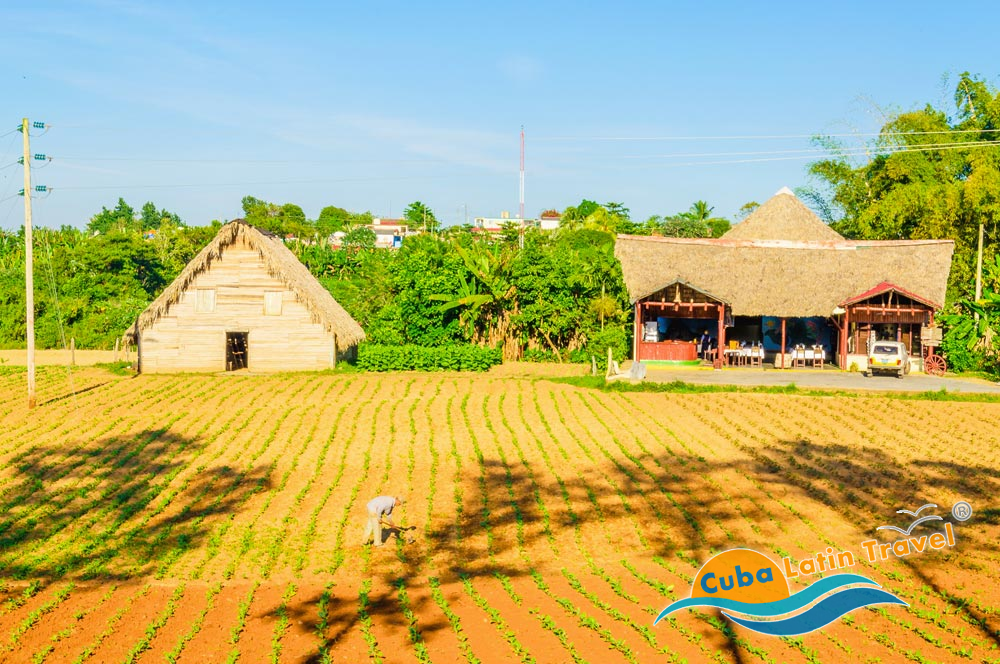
117 368
680 387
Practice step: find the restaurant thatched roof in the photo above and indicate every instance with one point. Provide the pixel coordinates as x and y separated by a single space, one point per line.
783 261
810 273
785 279
280 263
783 217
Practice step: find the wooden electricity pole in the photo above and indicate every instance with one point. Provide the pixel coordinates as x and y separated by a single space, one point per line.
29 285
979 268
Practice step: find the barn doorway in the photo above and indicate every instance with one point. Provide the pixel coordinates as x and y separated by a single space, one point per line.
236 351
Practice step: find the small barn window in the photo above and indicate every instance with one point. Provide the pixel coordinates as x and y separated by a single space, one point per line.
205 300
272 303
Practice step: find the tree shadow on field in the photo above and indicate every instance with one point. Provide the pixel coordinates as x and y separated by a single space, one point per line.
341 616
863 485
455 540
114 508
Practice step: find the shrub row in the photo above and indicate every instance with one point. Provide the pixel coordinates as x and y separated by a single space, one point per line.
467 357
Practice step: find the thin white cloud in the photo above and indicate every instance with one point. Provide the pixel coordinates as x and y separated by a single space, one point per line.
461 146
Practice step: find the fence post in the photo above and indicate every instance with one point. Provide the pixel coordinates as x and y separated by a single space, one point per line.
72 352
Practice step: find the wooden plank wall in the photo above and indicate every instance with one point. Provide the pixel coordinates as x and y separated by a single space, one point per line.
189 340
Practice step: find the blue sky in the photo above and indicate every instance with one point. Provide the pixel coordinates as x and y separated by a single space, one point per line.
370 106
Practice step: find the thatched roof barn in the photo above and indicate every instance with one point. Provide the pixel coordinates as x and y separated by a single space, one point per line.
245 301
784 262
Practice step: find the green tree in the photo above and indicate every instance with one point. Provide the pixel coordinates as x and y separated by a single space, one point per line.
359 237
610 218
420 216
746 210
152 219
121 219
931 174
331 219
696 222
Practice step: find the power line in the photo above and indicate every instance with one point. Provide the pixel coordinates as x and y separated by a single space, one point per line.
859 150
262 183
859 153
262 161
417 161
790 155
760 136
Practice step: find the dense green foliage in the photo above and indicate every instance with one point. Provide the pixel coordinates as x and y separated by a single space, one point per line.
452 357
558 292
554 294
91 287
614 218
934 174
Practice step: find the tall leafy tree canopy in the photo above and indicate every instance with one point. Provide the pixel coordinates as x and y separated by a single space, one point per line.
419 216
934 173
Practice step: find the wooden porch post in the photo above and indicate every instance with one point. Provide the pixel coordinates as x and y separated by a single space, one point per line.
844 334
636 332
721 337
782 343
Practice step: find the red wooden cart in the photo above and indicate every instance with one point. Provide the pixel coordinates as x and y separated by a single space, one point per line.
930 340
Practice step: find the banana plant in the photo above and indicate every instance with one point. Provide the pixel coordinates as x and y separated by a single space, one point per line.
486 299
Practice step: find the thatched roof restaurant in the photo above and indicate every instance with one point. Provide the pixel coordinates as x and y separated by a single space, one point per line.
783 262
245 301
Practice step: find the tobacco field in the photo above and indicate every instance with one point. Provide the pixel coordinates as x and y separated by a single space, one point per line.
203 518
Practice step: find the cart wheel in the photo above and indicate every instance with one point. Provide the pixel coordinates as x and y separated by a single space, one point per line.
934 365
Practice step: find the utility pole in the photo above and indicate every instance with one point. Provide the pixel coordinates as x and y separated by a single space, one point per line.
520 209
979 268
29 285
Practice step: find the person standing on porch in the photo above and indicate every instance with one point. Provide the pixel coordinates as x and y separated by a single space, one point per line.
705 345
379 508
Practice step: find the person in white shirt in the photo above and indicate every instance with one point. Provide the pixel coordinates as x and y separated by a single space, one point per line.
380 508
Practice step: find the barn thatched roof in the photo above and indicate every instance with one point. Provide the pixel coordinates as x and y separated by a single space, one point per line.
783 217
784 278
280 263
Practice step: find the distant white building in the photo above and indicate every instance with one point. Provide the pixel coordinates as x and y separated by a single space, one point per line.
389 233
549 220
496 224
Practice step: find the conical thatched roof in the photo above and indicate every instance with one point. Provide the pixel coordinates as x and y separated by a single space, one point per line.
280 263
782 278
783 217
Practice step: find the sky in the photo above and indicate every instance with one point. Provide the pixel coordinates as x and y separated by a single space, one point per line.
371 106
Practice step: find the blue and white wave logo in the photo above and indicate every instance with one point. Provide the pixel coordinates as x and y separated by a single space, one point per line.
752 591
